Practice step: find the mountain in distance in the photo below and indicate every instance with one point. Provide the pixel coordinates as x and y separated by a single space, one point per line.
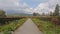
13 13
20 14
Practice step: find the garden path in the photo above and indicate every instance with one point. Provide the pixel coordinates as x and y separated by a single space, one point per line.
28 28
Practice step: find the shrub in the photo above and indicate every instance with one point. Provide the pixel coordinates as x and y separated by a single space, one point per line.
12 26
45 18
55 20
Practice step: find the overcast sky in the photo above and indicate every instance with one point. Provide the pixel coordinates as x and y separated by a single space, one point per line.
28 6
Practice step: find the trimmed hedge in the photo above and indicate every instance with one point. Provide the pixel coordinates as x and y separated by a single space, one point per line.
52 19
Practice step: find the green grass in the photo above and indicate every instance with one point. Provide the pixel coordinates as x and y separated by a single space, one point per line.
12 25
46 27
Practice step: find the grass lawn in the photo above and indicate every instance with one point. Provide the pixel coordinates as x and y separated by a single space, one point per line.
12 26
46 27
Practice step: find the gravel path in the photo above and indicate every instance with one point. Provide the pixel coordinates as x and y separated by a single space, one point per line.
28 28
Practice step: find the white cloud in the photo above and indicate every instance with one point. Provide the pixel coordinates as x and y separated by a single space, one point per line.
9 2
16 5
47 6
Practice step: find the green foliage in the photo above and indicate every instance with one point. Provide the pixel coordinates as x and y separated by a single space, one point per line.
2 13
7 32
36 14
51 13
46 26
12 26
53 19
45 18
56 13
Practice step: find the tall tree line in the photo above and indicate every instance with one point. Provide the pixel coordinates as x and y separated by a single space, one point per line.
56 12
